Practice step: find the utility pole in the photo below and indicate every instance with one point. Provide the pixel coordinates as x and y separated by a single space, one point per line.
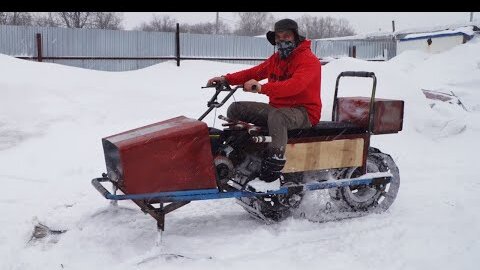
216 25
393 26
471 16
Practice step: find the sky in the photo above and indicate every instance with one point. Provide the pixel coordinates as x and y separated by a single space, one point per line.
362 22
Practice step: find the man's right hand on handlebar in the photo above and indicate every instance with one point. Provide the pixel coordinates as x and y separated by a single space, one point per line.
216 80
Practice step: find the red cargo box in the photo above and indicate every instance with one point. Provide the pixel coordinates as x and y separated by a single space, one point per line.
171 155
388 117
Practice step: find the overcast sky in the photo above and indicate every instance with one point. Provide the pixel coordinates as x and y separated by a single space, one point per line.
362 22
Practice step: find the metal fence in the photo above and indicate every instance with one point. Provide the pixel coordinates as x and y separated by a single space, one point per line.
118 50
378 49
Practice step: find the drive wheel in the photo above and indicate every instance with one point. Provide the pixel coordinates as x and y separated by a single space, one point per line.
273 208
375 198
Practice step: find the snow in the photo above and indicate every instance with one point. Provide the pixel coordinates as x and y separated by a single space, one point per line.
261 186
52 119
373 175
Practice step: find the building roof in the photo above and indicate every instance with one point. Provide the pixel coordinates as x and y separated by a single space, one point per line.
465 31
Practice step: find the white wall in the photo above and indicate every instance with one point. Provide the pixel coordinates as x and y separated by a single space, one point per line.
439 44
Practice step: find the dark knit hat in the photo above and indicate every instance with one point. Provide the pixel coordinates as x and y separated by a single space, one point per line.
282 25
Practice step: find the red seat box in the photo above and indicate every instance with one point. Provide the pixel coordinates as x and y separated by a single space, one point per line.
388 115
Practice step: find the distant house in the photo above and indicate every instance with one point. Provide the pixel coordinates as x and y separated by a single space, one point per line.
385 45
436 41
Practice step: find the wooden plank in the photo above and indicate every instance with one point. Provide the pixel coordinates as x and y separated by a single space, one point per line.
324 155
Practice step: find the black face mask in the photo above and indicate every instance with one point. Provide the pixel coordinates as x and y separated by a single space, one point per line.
285 48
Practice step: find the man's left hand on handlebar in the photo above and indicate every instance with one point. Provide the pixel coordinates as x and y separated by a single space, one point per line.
216 80
252 86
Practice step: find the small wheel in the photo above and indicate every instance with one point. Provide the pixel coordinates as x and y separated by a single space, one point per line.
224 172
377 198
274 207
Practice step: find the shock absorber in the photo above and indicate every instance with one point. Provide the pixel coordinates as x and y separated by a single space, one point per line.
261 139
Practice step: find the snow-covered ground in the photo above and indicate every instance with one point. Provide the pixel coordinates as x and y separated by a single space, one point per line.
52 119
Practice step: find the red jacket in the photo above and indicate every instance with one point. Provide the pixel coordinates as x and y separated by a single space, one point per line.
292 82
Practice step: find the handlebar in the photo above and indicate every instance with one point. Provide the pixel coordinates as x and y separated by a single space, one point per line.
365 74
219 87
225 87
213 103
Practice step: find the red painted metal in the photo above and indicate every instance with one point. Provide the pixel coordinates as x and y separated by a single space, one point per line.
388 117
436 95
171 155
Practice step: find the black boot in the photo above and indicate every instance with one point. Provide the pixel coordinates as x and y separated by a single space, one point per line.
271 168
270 174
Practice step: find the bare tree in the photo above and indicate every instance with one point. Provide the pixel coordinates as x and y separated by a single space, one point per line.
254 23
76 19
163 23
16 18
324 27
100 20
206 28
344 28
46 19
107 20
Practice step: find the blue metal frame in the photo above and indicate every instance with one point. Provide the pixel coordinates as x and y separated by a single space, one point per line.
209 194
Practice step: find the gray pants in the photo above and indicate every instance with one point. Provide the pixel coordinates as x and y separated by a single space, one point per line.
278 121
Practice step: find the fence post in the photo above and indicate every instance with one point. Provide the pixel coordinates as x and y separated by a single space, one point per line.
354 51
39 47
177 43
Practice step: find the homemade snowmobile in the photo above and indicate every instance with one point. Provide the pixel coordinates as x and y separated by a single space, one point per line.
166 165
